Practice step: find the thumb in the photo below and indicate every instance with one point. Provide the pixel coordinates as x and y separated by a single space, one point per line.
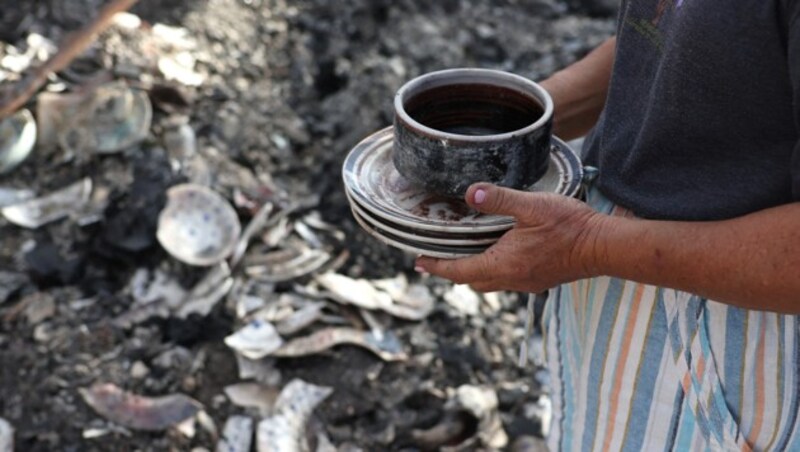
488 198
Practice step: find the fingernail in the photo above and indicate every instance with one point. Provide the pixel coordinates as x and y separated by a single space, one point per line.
419 269
480 196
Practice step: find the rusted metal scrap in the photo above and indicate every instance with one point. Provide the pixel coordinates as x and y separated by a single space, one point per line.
139 412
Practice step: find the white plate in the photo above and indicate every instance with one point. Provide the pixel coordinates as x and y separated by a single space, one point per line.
371 179
197 226
419 249
418 237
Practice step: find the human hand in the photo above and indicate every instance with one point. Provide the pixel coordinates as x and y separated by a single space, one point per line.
554 240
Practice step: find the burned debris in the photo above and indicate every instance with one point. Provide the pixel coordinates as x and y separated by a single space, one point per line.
179 267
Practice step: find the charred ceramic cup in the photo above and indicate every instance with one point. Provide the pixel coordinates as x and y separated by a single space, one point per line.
455 127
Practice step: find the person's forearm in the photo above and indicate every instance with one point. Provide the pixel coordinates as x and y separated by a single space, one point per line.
579 91
751 262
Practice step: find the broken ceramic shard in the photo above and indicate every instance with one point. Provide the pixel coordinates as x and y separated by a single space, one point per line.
51 207
197 226
287 264
11 196
207 292
541 410
368 295
139 412
260 370
17 138
113 118
237 435
286 429
300 319
481 402
6 436
463 299
253 395
180 68
255 340
258 222
387 348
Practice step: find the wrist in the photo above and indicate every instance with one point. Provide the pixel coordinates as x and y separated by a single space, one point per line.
597 244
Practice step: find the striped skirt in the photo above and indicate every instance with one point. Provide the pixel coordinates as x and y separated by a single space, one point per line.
644 368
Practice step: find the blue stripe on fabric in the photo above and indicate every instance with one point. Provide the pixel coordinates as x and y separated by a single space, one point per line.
686 430
645 382
791 427
607 316
568 401
675 339
702 422
676 419
735 333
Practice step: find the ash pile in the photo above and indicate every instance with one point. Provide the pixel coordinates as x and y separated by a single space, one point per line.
179 269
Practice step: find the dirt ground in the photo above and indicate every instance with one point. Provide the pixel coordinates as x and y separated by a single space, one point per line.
288 88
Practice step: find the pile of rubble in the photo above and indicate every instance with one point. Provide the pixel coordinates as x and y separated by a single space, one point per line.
178 267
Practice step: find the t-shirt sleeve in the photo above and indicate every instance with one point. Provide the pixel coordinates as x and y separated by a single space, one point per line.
792 23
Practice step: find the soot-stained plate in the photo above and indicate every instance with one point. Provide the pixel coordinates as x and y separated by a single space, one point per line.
371 179
435 238
425 249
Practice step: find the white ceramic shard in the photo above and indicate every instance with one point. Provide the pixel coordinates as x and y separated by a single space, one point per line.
197 226
255 340
286 430
51 207
17 138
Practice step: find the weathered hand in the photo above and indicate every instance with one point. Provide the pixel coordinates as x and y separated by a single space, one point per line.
554 241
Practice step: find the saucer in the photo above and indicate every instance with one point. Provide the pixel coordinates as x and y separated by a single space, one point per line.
422 236
373 182
437 251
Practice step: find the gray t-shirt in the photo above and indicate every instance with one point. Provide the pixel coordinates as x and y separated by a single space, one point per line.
703 110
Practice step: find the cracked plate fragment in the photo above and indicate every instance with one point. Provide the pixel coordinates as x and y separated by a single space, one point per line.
6 436
255 340
387 348
139 412
17 137
37 212
237 435
285 431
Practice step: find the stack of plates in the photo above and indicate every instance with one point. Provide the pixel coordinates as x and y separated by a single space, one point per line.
401 215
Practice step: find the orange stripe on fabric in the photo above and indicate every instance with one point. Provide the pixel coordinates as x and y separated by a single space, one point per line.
701 368
759 414
621 359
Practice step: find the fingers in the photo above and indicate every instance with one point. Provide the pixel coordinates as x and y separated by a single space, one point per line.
488 198
460 271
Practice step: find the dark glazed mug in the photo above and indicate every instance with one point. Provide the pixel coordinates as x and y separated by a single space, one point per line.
455 127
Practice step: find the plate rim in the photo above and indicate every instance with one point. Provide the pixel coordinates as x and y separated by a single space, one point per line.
418 237
406 247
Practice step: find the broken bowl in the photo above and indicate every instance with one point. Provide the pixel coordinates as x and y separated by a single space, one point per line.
197 226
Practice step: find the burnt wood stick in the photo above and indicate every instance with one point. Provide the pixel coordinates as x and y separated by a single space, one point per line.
72 46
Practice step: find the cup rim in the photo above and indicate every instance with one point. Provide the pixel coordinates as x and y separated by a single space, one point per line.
476 75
